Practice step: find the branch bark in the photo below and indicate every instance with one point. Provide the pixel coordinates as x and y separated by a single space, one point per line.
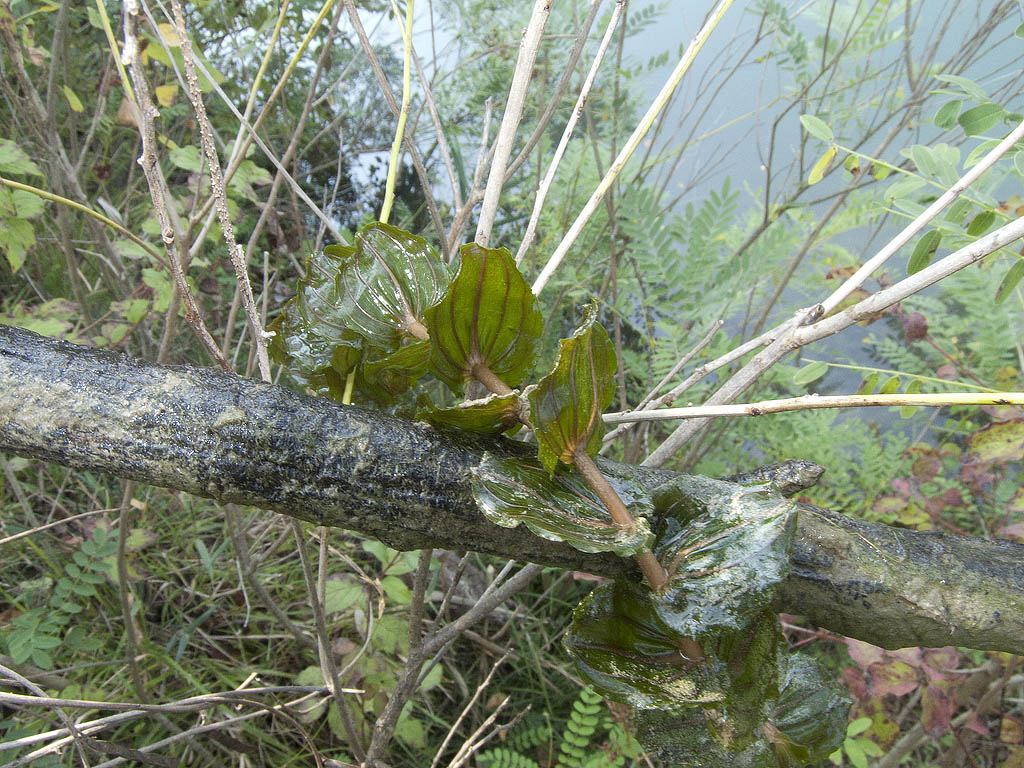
237 440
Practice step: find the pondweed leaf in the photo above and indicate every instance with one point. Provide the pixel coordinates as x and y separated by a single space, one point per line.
490 415
310 336
807 722
559 507
625 650
488 317
725 547
566 405
386 282
386 376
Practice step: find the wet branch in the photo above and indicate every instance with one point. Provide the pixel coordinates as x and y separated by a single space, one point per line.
237 440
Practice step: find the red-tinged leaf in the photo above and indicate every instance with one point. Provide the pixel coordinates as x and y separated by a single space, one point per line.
1015 531
893 676
936 710
864 654
488 317
940 663
974 723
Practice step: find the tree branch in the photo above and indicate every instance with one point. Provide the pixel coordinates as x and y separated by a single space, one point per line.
237 440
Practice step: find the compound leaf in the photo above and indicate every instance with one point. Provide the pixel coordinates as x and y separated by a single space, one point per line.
566 405
559 507
488 317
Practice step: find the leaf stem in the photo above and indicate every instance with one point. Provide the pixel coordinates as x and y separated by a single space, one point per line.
649 565
490 379
652 570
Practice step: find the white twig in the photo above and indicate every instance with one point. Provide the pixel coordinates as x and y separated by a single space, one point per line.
855 280
630 147
796 335
466 710
812 402
545 185
510 119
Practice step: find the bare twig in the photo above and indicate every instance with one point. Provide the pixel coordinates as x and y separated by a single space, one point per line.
148 162
545 185
220 194
631 144
511 117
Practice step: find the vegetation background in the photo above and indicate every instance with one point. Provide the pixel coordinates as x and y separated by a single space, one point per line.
733 209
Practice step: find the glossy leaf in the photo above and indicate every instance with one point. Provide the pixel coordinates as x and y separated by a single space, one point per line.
488 317
623 648
310 336
491 415
559 507
387 376
566 405
684 739
808 720
726 548
386 283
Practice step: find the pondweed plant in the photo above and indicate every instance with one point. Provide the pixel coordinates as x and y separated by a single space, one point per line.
694 648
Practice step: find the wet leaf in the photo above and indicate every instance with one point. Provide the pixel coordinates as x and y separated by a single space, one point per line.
310 335
559 507
622 647
808 720
726 548
385 377
679 738
566 405
488 317
385 284
490 415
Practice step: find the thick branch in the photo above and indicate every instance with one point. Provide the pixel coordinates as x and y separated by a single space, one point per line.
237 440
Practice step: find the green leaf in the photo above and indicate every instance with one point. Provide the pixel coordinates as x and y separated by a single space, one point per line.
892 385
676 738
488 317
386 282
1010 281
560 507
385 377
914 388
969 87
818 171
1019 31
977 120
924 250
17 236
808 720
73 101
725 547
946 115
311 336
491 415
981 223
566 405
810 372
13 159
187 158
1018 161
867 386
342 593
816 127
626 651
1002 441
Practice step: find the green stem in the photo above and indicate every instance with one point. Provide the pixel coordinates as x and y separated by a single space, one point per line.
389 189
86 210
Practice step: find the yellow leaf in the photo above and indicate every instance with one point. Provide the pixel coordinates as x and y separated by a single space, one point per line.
73 101
818 171
166 94
169 34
